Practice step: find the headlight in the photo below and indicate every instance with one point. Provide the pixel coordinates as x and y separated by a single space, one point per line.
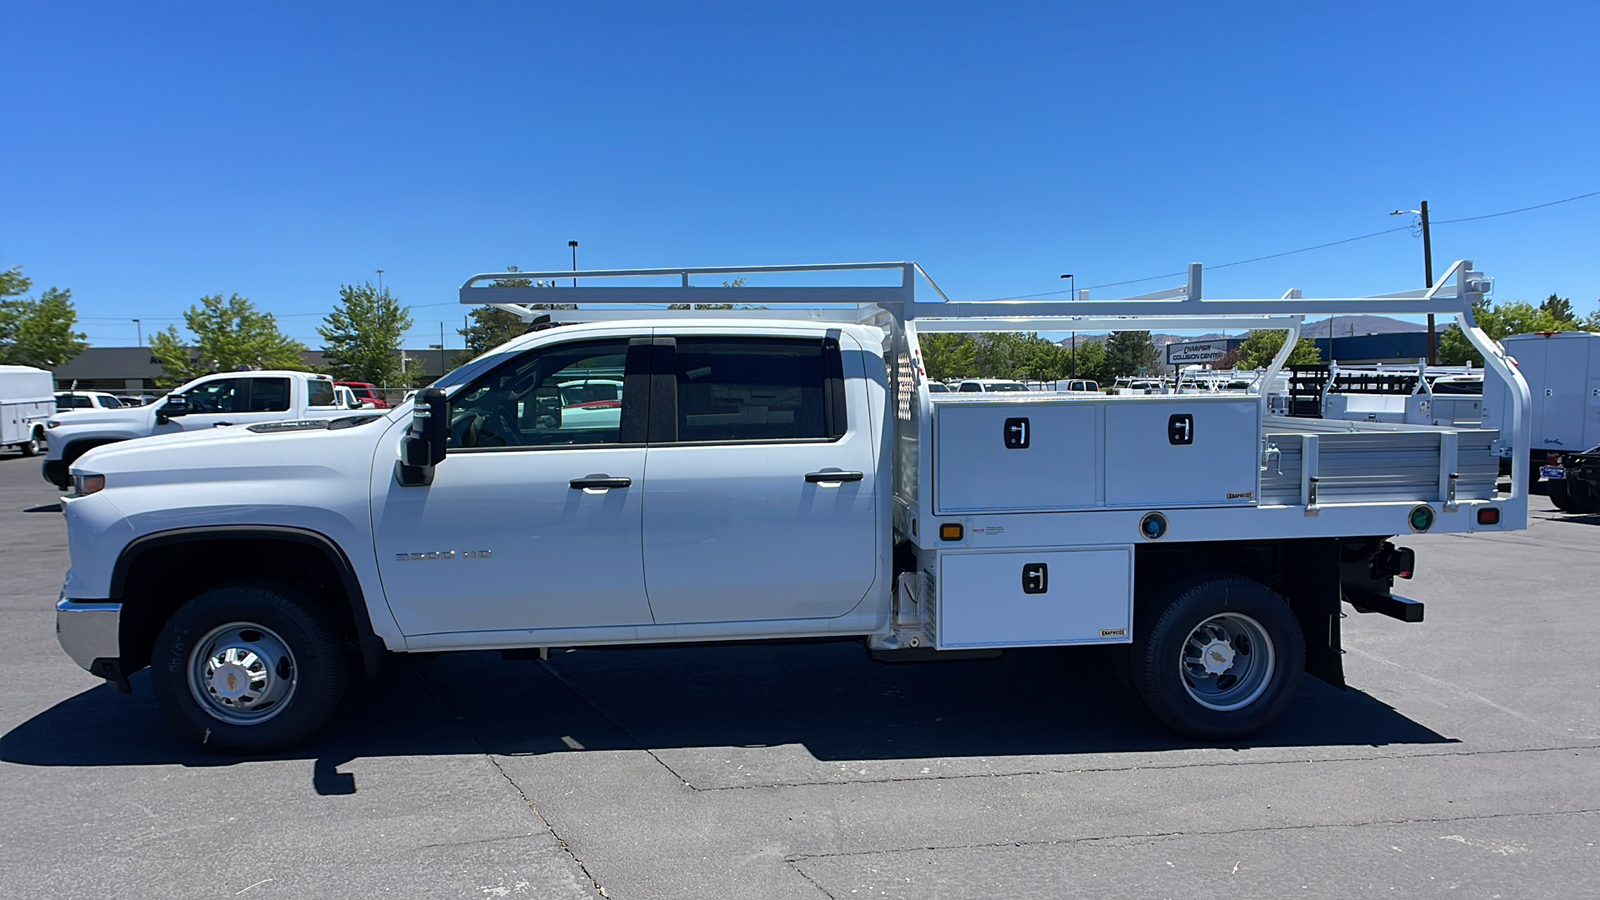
84 485
53 423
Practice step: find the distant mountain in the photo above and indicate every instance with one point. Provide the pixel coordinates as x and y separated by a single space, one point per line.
1345 326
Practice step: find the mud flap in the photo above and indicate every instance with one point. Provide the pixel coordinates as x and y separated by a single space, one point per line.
1311 583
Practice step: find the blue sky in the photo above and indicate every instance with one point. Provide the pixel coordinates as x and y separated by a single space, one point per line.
158 152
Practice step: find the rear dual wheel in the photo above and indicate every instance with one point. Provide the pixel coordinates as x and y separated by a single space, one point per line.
1559 496
1218 659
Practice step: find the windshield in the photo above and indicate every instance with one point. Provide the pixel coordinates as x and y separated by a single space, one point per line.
1010 386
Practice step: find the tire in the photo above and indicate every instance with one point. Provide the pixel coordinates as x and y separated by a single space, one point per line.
1582 497
31 446
1557 492
249 668
1218 659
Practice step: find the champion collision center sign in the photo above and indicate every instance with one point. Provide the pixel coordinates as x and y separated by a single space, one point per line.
1196 352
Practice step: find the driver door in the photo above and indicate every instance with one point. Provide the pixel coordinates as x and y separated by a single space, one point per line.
533 518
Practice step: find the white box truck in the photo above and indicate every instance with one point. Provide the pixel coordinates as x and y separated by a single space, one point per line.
641 475
1562 370
27 400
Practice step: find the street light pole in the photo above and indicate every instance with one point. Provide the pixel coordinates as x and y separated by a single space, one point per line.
1072 285
574 246
380 281
1427 271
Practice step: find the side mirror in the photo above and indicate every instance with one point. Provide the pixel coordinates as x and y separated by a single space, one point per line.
424 446
176 405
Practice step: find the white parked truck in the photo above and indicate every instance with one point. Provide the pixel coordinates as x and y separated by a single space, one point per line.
26 402
211 401
640 477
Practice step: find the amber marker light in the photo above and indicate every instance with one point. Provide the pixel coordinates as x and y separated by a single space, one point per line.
950 531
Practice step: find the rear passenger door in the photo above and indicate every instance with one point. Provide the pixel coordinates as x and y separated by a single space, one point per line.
760 488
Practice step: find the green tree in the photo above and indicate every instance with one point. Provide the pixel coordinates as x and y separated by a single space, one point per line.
13 283
1129 351
229 334
1260 346
1497 320
1091 362
1559 308
949 355
488 329
38 332
361 335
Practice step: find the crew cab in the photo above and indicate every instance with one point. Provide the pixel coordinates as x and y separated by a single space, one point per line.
731 476
226 398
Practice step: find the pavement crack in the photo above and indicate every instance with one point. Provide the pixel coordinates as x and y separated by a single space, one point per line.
549 826
1088 770
558 676
790 862
521 794
796 859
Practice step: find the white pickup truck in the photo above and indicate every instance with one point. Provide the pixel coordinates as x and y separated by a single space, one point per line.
649 477
226 398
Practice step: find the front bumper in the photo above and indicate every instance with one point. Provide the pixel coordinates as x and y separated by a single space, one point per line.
88 632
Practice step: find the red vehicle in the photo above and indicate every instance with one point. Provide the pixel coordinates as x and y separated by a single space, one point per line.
366 393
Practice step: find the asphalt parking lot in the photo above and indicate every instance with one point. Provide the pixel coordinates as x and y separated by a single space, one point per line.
1464 760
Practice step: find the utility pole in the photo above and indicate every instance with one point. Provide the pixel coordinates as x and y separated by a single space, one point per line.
1072 285
1427 267
574 246
441 350
1427 271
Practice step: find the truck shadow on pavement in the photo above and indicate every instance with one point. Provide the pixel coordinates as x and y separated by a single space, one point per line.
827 697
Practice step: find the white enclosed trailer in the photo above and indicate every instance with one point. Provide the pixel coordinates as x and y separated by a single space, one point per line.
655 473
27 400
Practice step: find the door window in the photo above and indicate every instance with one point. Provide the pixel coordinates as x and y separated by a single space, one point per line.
269 394
570 394
752 389
319 393
225 395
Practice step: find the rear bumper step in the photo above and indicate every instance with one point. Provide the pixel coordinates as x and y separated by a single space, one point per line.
1365 601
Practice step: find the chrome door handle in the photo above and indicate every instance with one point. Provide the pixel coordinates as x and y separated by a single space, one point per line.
599 482
820 477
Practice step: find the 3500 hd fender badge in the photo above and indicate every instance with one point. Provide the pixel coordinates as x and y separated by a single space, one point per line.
433 555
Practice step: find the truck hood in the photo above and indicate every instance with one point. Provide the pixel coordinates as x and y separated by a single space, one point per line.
267 451
132 415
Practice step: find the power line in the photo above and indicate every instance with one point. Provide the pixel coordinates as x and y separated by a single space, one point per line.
1510 212
1350 240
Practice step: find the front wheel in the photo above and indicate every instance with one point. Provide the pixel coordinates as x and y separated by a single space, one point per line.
249 668
1218 659
32 445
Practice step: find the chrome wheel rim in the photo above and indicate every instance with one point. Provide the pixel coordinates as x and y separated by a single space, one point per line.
242 674
1227 662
